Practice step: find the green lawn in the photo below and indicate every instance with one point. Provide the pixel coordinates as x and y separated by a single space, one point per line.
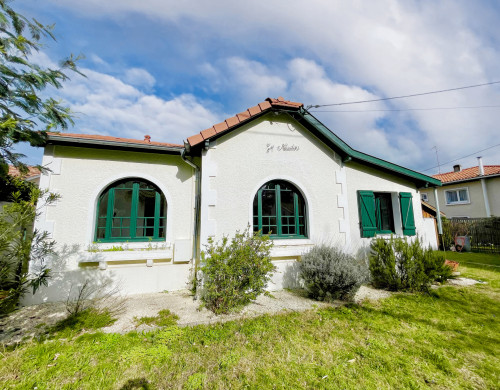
449 339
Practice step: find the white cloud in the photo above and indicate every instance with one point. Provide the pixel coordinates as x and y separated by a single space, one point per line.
139 77
350 50
106 105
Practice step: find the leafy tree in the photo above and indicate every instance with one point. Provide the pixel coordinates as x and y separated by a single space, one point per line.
25 115
19 245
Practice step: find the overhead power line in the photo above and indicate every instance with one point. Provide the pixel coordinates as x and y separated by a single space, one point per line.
460 158
404 96
411 109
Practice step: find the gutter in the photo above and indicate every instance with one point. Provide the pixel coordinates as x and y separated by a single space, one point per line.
196 206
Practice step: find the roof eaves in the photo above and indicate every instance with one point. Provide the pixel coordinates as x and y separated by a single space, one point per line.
475 178
60 138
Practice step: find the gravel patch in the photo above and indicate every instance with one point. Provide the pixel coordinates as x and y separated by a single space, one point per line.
464 282
32 321
371 294
189 312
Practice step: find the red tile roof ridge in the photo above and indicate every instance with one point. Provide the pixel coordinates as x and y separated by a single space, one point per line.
467 173
113 139
243 116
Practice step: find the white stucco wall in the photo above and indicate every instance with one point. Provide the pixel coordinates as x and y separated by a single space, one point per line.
361 177
244 160
237 165
79 175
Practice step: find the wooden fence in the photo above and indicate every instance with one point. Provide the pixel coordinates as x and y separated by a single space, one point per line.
484 233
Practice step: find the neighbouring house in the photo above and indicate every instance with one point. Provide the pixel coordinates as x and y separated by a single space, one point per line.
6 189
467 193
33 174
137 213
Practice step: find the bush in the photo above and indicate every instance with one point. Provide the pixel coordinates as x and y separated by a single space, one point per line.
401 265
236 272
330 273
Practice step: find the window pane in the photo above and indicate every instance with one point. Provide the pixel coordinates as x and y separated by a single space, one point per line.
103 205
101 233
123 203
383 212
163 208
287 205
126 185
269 212
451 196
463 195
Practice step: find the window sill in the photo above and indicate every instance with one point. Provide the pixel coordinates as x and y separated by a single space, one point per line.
456 203
128 255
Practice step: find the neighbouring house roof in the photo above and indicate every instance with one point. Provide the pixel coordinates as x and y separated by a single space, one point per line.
431 209
297 111
32 172
104 140
468 174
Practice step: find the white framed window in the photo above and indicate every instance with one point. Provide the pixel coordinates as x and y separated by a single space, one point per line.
424 197
457 196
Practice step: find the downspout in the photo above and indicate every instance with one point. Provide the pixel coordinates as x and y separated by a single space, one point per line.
438 213
483 184
196 206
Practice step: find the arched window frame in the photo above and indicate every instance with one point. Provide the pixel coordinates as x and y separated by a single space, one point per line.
279 222
133 217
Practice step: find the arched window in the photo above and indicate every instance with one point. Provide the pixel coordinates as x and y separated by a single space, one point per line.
131 210
279 210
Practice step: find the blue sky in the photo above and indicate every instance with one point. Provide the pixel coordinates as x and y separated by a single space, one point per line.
173 68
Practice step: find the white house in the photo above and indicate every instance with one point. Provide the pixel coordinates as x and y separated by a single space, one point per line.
137 213
468 193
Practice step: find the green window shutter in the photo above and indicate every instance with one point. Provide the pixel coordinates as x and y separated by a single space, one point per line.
405 200
367 220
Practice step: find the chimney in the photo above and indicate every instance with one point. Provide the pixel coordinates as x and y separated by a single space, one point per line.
457 168
481 168
147 138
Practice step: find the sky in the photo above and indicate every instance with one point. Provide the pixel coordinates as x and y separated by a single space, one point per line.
170 69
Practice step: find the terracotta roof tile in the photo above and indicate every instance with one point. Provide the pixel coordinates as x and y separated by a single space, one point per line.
243 116
195 139
265 105
233 121
467 173
111 139
32 171
220 127
229 123
208 133
254 110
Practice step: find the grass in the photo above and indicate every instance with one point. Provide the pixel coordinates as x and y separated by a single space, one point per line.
164 318
449 339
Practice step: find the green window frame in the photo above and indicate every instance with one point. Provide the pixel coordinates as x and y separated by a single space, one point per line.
133 210
279 209
376 213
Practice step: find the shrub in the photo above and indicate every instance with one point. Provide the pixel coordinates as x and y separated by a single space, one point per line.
330 273
401 265
235 272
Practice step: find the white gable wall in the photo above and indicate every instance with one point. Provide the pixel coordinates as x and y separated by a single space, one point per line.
273 147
